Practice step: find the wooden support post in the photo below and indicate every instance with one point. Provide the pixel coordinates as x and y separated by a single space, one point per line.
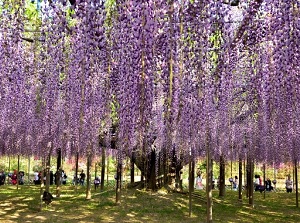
222 177
132 168
208 180
103 159
118 184
47 188
28 169
88 178
18 174
190 185
240 179
58 172
251 189
264 170
296 183
76 171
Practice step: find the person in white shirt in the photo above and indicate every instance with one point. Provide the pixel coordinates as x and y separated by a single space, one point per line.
289 184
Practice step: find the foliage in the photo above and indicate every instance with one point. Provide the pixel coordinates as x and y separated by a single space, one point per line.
149 65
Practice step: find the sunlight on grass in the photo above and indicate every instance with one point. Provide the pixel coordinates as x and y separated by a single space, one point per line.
141 206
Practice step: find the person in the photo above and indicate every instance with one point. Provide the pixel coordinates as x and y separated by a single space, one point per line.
14 178
51 177
289 184
257 183
82 178
36 179
2 177
199 185
97 182
64 177
21 177
269 186
260 181
74 179
235 183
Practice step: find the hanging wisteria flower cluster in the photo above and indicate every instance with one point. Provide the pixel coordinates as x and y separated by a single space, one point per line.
179 72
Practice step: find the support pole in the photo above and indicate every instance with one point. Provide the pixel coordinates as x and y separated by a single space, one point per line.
251 189
132 168
296 183
18 174
88 178
28 169
190 185
264 167
222 177
47 188
103 159
76 171
208 180
118 184
240 179
58 172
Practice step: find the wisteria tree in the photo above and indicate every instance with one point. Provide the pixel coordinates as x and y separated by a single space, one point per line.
214 79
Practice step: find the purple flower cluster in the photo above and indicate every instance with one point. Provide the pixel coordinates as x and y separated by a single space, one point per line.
175 71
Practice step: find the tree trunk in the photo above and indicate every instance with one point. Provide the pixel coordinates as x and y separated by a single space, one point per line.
165 168
152 175
264 172
245 176
193 175
18 174
58 172
132 168
191 185
248 179
222 177
231 174
76 171
107 172
160 180
8 169
28 169
240 179
296 183
48 174
118 184
42 184
208 181
102 169
251 189
88 178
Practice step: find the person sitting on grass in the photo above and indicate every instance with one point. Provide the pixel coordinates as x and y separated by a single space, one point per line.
14 178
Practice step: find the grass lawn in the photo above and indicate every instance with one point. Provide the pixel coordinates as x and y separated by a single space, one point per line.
23 205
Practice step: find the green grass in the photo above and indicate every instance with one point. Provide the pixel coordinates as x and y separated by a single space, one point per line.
23 205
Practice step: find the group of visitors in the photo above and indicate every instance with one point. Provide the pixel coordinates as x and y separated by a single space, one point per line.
258 185
53 177
15 177
80 179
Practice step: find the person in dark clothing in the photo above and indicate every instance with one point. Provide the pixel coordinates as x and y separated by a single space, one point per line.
82 178
269 186
51 177
2 177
